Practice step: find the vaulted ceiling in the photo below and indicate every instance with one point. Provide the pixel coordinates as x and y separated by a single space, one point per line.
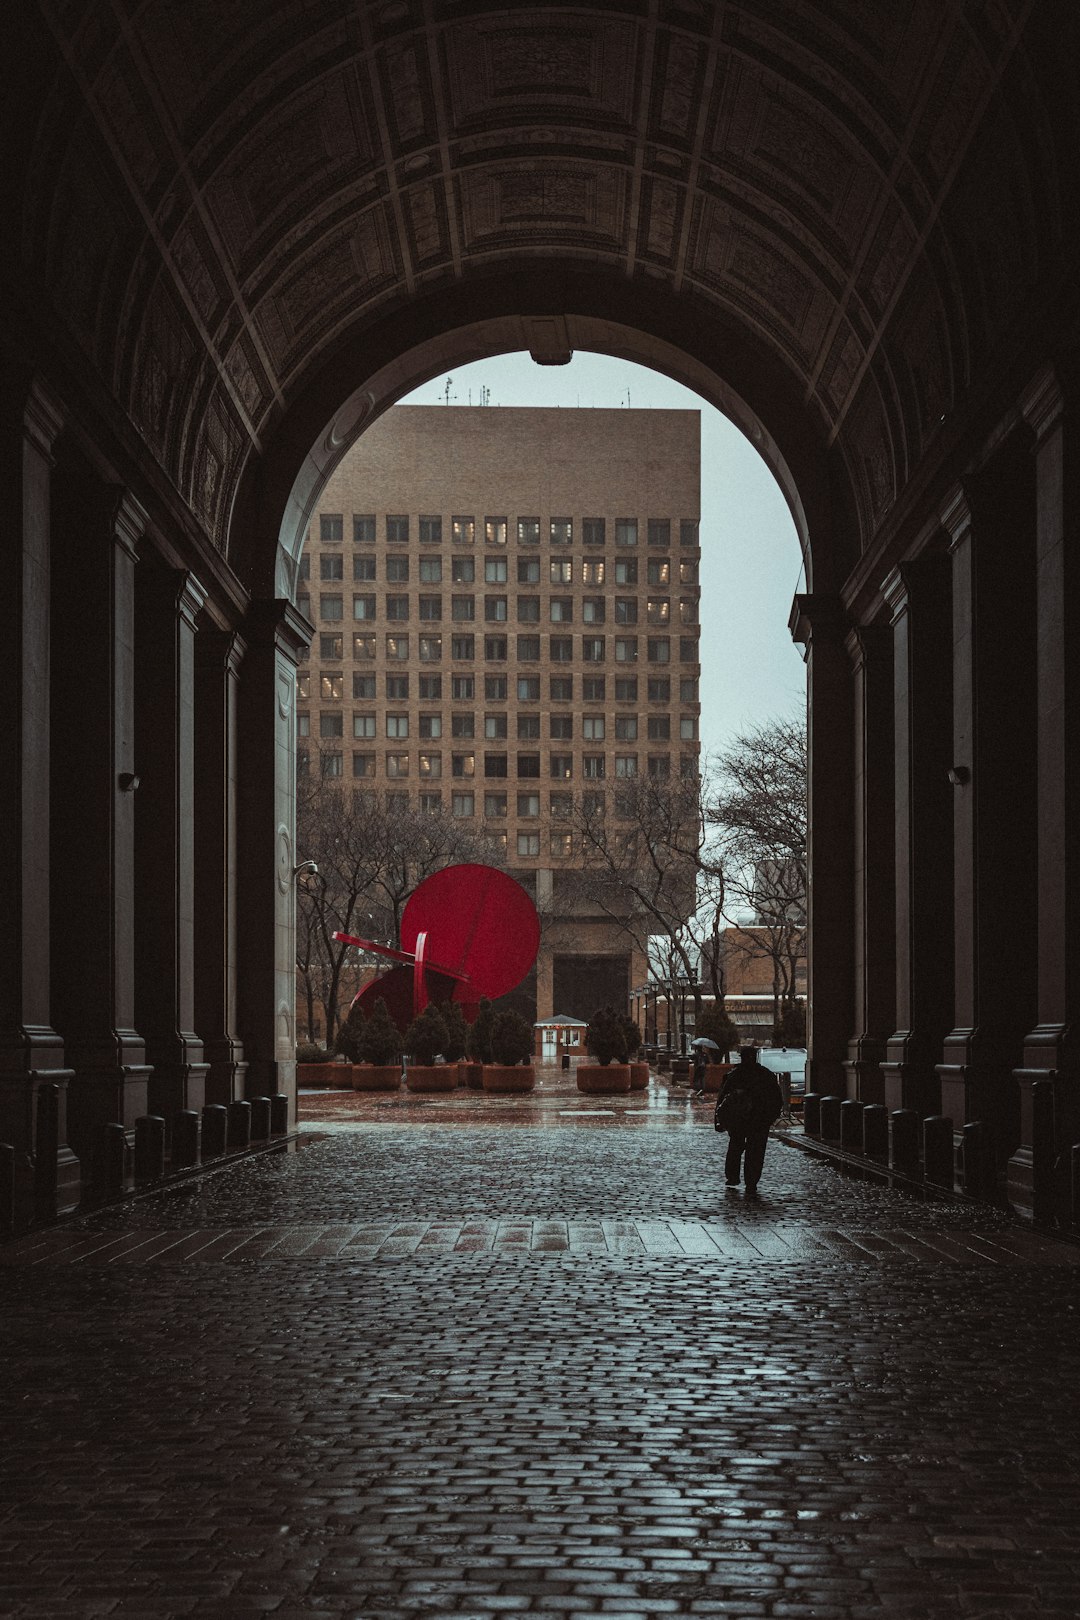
219 198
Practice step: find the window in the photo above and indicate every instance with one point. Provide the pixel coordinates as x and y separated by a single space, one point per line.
363 764
592 767
363 529
495 649
561 727
462 725
626 727
528 843
397 765
463 531
331 527
562 649
561 531
430 766
528 726
363 607
461 686
461 804
528 764
688 532
688 649
331 763
658 609
659 689
688 610
495 804
688 689
332 567
562 806
688 572
592 649
626 649
303 687
626 610
659 727
397 686
593 688
593 804
430 725
430 532
363 567
462 608
331 724
592 610
397 648
562 609
430 804
430 686
626 531
495 531
659 532
462 570
363 686
495 610
494 726
688 728
397 570
528 649
528 609
659 571
528 688
562 573
625 764
562 688
659 650
562 767
430 649
463 764
626 571
495 571
330 644
397 608
331 687
331 607
592 571
528 570
463 647
495 765
363 646
397 529
430 608
561 844
303 724
626 688
303 762
659 767
592 727
397 725
303 602
592 531
528 531
495 686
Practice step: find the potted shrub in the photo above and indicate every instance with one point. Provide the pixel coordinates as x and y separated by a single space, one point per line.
512 1050
425 1039
457 1033
377 1064
639 1072
315 1067
605 1039
478 1045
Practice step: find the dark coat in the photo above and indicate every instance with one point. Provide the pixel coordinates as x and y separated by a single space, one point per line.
766 1103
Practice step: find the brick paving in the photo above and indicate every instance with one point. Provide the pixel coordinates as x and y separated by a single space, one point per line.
452 1369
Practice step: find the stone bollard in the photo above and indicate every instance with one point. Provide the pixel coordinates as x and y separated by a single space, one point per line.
904 1141
260 1119
114 1151
1042 1150
875 1131
811 1114
975 1160
47 1145
938 1163
185 1139
830 1118
7 1187
851 1113
279 1114
215 1126
239 1133
149 1148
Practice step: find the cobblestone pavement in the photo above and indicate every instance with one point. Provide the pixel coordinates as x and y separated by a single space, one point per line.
412 1370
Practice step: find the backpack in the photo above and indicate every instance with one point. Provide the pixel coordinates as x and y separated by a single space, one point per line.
734 1109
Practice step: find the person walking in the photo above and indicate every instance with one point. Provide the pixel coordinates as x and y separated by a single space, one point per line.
748 1103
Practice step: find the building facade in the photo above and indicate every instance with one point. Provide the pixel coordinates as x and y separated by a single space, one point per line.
506 605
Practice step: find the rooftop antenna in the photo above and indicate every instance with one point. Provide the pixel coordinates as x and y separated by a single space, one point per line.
446 390
485 395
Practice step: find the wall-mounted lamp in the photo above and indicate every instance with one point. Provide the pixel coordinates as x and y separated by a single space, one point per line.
128 782
305 869
959 775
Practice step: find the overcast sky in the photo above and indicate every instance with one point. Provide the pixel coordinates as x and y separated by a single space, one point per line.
750 562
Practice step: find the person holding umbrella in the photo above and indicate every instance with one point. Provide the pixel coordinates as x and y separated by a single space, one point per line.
702 1048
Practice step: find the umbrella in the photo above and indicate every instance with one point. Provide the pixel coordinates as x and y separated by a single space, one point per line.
703 1040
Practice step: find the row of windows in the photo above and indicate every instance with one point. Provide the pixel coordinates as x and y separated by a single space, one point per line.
497 609
560 726
496 530
560 570
463 648
396 766
592 688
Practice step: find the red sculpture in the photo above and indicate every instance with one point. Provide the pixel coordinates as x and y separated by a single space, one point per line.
466 932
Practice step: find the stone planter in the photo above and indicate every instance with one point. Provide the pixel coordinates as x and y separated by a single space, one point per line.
603 1077
376 1076
316 1076
433 1077
473 1075
715 1075
506 1077
639 1076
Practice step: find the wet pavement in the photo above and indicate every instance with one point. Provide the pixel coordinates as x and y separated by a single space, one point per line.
429 1365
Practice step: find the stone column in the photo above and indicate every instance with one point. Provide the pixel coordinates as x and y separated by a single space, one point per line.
94 793
31 1051
276 633
167 602
990 524
870 650
218 657
819 623
545 956
919 595
1052 1044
